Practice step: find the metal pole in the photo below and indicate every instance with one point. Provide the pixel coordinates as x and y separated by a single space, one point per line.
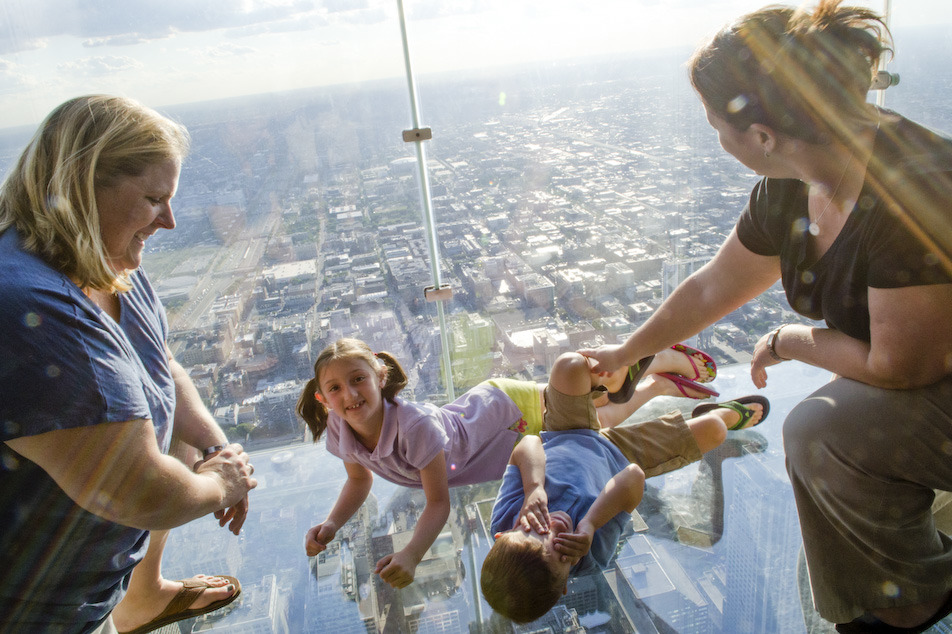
881 94
427 208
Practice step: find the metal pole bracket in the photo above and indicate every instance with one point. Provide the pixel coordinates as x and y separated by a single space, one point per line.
417 134
441 294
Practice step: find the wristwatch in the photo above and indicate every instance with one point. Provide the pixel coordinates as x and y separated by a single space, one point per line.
210 450
772 344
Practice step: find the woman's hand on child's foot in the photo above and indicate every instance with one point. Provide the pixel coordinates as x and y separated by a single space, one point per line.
317 539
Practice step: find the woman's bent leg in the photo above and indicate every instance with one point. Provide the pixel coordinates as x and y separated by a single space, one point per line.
863 463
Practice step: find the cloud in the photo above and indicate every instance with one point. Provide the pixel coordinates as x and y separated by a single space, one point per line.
11 43
125 23
110 22
126 39
12 80
295 24
104 65
229 50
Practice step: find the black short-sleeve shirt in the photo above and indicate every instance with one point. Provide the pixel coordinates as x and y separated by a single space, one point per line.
875 248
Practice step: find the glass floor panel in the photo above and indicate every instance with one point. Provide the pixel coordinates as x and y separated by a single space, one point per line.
713 547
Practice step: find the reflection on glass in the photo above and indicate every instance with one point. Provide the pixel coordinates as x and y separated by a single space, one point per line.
569 197
712 547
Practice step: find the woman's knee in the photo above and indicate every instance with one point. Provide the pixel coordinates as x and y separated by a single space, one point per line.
843 420
809 430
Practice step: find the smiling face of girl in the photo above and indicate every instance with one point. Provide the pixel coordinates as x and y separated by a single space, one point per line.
350 387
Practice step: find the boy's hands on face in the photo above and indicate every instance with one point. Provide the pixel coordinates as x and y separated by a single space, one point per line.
574 546
534 514
397 569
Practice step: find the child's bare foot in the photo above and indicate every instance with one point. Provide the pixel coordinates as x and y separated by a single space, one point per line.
686 361
613 381
741 413
732 418
667 387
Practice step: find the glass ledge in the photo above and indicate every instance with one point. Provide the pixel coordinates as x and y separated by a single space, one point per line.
714 547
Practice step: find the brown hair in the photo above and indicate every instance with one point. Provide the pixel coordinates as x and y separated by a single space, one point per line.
804 74
517 581
314 412
50 195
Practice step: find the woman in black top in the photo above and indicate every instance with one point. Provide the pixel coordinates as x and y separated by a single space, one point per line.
853 216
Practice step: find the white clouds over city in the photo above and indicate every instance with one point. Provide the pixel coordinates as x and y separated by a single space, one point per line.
171 51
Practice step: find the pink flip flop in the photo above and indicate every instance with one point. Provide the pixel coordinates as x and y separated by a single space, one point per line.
708 369
683 382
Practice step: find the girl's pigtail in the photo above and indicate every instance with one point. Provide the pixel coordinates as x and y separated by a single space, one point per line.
396 376
311 410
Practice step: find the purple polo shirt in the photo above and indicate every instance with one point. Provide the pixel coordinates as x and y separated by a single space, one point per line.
473 431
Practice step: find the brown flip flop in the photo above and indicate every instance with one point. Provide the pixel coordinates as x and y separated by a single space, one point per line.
178 608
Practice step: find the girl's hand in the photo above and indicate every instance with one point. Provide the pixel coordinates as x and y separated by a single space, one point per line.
534 513
574 546
318 538
397 569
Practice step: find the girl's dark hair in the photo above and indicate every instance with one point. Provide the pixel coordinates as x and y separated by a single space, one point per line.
803 74
314 412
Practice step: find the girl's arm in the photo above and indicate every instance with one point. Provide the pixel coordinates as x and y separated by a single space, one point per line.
529 458
398 568
355 491
622 493
910 343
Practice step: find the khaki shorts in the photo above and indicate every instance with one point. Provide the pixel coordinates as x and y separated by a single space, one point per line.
569 412
657 446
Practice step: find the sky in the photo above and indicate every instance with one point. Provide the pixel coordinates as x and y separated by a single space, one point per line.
166 52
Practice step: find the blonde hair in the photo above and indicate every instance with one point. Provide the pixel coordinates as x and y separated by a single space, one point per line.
803 74
50 195
383 364
517 581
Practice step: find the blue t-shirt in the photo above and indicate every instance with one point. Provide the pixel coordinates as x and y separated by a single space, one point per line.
578 464
64 364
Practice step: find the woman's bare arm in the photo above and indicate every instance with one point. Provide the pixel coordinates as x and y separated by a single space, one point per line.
733 277
116 471
910 341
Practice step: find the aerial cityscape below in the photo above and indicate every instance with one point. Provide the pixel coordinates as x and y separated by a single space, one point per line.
569 200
